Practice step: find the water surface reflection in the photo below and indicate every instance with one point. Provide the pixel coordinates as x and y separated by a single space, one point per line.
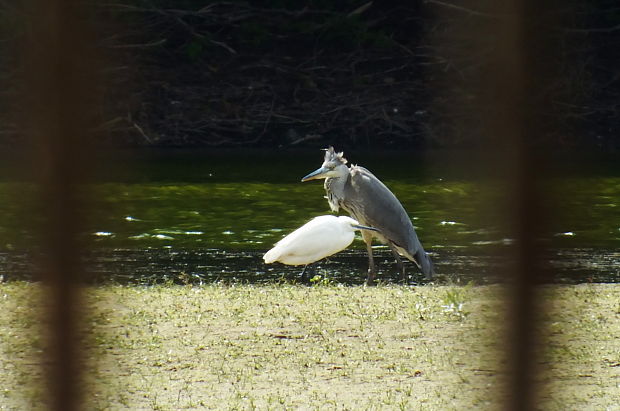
205 217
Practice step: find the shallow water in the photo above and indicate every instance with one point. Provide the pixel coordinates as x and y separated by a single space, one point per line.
193 216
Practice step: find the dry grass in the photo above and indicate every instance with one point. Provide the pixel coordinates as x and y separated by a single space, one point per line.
285 346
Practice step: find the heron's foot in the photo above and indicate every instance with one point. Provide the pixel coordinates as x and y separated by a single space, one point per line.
402 274
371 279
403 278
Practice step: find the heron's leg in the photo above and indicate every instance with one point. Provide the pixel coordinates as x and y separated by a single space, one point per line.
372 271
400 267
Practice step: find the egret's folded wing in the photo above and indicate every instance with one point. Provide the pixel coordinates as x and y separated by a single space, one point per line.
308 244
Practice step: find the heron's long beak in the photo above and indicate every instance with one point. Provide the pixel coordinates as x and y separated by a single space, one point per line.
315 174
363 227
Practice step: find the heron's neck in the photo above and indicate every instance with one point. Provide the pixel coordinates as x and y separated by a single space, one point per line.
334 186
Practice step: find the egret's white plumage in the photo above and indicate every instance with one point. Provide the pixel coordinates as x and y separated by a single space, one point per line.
318 238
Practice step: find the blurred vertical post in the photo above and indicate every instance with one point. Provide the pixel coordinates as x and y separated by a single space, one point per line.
514 85
59 79
500 57
508 86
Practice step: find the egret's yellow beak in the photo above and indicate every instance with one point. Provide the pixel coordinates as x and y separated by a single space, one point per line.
320 173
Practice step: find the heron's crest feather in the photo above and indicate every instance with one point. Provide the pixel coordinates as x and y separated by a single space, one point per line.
331 155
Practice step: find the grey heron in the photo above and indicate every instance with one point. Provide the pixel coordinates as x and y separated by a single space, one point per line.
372 204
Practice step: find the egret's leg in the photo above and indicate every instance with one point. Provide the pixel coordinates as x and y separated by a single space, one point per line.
304 272
400 267
372 272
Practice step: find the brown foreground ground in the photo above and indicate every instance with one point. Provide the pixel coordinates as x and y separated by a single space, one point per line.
283 346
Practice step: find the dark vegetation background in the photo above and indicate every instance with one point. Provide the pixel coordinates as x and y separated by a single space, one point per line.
313 72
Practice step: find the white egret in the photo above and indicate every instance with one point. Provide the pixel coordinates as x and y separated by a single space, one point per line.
318 238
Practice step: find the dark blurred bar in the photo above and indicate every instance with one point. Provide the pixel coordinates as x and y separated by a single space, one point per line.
508 46
514 85
59 86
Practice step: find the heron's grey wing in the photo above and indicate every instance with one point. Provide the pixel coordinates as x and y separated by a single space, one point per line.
380 208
